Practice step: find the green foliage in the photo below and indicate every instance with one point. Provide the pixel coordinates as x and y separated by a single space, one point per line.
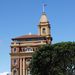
56 59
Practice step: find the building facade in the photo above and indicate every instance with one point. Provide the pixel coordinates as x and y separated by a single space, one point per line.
23 47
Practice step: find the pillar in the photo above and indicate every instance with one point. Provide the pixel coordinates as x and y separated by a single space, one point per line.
23 66
20 66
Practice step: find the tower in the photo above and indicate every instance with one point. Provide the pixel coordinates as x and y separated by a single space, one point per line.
22 47
44 26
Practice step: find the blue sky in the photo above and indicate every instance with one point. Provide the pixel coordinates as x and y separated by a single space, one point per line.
19 17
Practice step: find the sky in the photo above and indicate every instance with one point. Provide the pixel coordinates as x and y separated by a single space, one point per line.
20 17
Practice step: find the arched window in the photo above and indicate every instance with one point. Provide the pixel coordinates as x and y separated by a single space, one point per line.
43 30
28 61
28 49
15 72
15 61
14 49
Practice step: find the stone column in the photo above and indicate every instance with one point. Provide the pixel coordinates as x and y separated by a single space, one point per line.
20 66
23 66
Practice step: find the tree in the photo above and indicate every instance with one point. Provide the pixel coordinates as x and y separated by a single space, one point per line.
55 59
66 56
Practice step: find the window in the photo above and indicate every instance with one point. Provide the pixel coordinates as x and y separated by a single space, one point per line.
14 49
28 61
28 49
15 61
15 72
44 30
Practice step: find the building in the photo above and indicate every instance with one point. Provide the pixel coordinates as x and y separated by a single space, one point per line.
22 47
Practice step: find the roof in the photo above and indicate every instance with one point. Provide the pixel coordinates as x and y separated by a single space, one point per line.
26 37
43 18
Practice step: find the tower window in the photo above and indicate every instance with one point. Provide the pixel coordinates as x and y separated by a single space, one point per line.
44 30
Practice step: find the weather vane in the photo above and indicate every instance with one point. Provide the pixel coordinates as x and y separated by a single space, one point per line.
44 5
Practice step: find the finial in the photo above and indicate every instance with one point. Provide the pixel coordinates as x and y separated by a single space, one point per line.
44 7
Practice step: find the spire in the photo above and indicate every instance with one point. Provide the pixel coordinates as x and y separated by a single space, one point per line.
44 26
43 16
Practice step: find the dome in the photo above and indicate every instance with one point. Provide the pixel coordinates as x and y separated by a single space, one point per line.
43 18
